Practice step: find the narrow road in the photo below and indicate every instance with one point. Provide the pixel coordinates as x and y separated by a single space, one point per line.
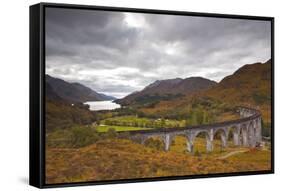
232 153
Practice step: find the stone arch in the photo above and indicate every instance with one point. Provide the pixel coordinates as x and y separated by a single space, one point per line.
151 141
222 135
208 135
233 135
180 139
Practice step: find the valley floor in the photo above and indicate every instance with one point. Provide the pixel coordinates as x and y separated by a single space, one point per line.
122 159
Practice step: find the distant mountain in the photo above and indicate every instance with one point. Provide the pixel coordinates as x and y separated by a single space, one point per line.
72 92
250 86
167 89
162 85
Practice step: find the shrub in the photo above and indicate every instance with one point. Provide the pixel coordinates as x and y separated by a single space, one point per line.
83 136
111 133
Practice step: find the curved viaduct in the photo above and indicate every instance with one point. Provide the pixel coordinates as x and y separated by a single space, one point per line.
246 132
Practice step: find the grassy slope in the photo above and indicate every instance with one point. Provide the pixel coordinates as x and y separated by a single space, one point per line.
122 159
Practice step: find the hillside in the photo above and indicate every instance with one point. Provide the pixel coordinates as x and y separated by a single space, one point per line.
167 90
250 85
63 104
123 159
71 92
61 115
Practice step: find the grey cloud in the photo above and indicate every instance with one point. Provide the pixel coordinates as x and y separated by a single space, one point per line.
164 46
72 29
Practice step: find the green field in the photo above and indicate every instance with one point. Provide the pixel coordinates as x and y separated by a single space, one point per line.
105 128
135 121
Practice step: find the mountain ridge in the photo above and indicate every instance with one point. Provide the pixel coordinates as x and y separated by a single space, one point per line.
250 85
59 89
168 89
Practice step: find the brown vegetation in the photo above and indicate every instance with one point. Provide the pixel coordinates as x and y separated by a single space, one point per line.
61 115
121 159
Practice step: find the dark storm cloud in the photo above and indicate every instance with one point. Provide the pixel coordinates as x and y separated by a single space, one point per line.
66 27
118 53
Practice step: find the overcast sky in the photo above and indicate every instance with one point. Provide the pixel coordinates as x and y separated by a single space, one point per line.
118 53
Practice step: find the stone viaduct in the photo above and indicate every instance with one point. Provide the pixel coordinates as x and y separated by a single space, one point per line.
246 131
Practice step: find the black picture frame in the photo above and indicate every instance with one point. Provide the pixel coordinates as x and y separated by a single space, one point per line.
37 93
